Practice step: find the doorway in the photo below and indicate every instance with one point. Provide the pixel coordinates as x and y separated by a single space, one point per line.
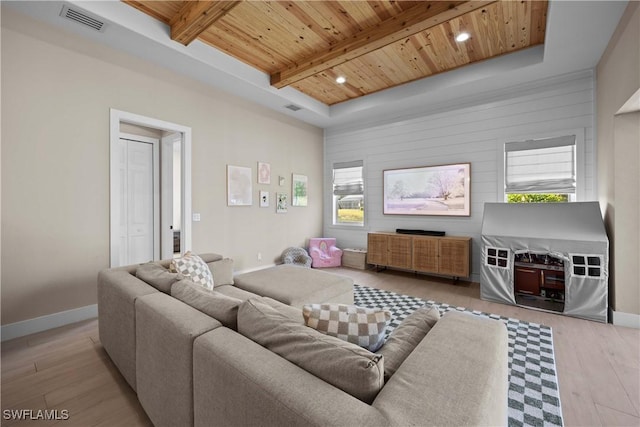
539 280
150 178
171 195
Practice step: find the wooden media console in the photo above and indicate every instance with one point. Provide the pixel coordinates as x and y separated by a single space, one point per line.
447 256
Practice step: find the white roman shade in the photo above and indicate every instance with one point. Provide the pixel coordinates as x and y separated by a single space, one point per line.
541 166
347 178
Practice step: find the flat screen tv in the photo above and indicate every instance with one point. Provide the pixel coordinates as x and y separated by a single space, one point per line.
428 190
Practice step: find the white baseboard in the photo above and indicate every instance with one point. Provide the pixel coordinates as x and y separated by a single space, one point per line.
249 270
55 320
629 320
50 321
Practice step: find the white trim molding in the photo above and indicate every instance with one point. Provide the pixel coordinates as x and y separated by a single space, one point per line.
50 321
117 117
629 320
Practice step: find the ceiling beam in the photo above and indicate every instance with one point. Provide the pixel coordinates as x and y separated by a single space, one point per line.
195 17
412 21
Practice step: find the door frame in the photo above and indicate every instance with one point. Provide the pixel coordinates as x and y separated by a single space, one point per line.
117 117
166 197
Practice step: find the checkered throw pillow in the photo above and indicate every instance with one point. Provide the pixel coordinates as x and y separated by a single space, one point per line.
194 268
358 325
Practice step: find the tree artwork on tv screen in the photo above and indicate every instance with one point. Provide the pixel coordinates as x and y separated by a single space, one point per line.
428 190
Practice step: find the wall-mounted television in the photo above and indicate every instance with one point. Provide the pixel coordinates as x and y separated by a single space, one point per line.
428 190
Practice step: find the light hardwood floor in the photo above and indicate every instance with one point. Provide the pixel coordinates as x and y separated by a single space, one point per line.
67 368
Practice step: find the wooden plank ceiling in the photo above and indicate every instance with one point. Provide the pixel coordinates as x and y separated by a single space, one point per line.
374 44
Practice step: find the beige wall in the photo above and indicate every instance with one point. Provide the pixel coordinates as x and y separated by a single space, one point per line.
618 78
57 92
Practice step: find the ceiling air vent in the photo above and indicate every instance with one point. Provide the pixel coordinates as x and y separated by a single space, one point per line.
293 107
82 17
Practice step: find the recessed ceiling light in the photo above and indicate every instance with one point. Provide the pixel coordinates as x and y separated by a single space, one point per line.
341 79
462 37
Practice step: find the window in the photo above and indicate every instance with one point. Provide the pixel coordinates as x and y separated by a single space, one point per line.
497 257
348 193
586 265
542 170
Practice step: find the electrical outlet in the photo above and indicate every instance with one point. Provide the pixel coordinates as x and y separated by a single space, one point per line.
259 256
196 217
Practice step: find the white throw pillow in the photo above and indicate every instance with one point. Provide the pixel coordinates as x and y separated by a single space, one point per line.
358 325
193 267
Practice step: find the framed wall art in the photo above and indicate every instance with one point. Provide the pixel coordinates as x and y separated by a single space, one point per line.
299 190
239 189
428 190
281 202
264 173
264 199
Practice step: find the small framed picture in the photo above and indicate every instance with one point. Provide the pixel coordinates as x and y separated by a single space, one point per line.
264 173
298 190
281 206
264 199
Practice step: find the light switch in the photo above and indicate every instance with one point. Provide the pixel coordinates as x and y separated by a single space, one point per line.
196 217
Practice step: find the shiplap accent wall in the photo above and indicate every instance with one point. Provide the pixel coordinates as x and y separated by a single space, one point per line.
469 133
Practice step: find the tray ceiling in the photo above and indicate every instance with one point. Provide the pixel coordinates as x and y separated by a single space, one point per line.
375 45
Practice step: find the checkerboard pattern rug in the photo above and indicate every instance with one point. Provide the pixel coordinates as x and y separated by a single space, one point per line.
534 397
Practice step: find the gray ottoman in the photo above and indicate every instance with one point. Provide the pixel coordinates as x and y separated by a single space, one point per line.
297 286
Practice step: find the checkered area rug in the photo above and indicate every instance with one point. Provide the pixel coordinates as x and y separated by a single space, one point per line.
534 397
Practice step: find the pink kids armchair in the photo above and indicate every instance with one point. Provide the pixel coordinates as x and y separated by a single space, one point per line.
324 253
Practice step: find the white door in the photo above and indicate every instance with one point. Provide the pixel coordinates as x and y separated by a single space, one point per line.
136 199
140 202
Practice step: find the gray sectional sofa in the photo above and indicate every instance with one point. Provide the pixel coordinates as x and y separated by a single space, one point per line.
241 355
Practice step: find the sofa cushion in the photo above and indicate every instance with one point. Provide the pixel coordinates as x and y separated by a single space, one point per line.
344 365
193 267
297 286
157 276
293 313
358 325
406 337
215 304
222 271
457 375
209 257
233 291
